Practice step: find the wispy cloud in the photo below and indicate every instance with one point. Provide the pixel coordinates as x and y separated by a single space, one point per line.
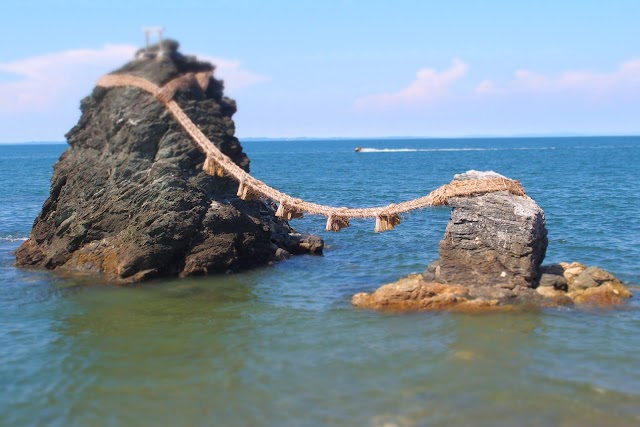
595 86
234 75
41 83
430 85
44 80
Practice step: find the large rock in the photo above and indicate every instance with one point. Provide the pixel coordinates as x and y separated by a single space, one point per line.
129 199
496 239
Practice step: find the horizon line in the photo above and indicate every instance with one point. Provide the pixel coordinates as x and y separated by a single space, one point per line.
392 137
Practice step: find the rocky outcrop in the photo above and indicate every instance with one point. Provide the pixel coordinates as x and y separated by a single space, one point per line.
129 199
583 285
490 259
496 239
414 292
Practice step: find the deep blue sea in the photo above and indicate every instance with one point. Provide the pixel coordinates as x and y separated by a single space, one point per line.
282 346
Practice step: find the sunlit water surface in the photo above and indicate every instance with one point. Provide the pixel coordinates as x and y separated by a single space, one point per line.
282 345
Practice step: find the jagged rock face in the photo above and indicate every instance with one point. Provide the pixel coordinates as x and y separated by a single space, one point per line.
129 199
496 239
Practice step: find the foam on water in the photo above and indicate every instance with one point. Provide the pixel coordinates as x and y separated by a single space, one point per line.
435 150
416 150
13 239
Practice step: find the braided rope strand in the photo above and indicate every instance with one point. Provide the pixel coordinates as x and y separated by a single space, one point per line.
217 163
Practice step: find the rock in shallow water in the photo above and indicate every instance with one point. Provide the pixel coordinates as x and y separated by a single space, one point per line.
493 239
129 199
415 293
490 258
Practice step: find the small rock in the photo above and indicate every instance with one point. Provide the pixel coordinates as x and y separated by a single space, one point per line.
555 269
600 296
361 299
599 275
431 268
305 244
430 273
282 254
439 302
554 281
555 297
476 305
618 288
571 271
491 292
582 281
312 243
548 291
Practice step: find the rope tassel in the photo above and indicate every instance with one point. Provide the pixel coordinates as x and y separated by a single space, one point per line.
387 222
240 188
337 223
245 192
212 167
288 212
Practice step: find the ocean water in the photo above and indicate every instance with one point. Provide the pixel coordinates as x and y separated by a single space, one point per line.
283 346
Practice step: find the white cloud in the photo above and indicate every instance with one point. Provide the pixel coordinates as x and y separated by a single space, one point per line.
486 87
595 86
46 79
235 77
60 79
429 85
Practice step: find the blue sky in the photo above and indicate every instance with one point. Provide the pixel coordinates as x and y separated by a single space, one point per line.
344 68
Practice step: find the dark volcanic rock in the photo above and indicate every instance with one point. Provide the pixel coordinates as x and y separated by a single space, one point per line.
129 198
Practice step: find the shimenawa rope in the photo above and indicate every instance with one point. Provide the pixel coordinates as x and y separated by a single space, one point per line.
249 188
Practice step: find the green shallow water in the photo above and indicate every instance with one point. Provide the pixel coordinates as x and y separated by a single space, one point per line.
217 352
282 345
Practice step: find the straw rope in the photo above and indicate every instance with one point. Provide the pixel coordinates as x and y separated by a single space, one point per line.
217 163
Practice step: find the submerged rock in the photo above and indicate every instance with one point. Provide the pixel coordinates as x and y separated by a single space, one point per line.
414 293
490 258
129 198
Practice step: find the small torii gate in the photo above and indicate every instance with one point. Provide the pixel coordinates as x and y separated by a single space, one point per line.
148 32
